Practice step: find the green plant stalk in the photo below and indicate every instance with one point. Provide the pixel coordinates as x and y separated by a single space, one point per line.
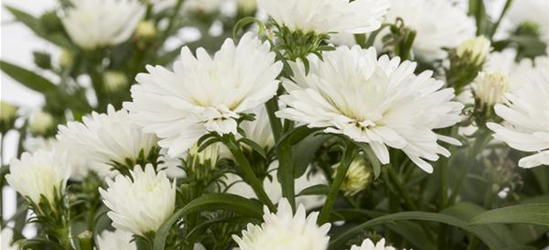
276 125
249 174
407 199
336 184
498 22
287 173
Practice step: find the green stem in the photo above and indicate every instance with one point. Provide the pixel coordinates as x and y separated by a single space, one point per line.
400 187
248 173
276 125
503 12
287 173
336 184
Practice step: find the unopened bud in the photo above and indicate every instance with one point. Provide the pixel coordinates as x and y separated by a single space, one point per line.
41 123
8 114
115 81
145 30
490 88
475 49
358 177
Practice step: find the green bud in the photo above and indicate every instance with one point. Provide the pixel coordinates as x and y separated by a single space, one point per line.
41 123
115 81
66 58
359 176
42 60
8 114
146 30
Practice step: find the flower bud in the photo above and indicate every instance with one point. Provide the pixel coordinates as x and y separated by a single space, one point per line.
145 30
66 58
41 123
358 177
8 114
247 7
490 88
115 81
475 49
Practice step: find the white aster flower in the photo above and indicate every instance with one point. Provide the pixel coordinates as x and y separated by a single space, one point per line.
259 130
327 16
490 87
285 231
526 116
377 101
204 94
43 173
116 240
97 23
106 138
367 244
438 24
140 205
6 239
534 11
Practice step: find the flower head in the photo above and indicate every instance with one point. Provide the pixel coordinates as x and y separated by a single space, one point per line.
367 244
358 177
490 87
327 16
116 240
376 101
42 174
439 25
103 139
204 94
141 203
285 231
477 49
526 115
41 123
97 23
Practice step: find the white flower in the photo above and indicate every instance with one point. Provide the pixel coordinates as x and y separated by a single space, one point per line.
273 188
477 48
204 94
285 231
116 240
114 81
491 87
527 119
104 138
358 177
327 16
535 11
40 122
377 101
6 240
438 24
140 205
43 173
259 130
367 244
97 23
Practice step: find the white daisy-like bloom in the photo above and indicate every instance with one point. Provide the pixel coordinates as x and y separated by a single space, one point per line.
438 24
327 16
140 205
204 94
98 23
44 173
526 115
273 188
6 239
285 231
106 138
367 244
115 240
377 101
259 130
535 11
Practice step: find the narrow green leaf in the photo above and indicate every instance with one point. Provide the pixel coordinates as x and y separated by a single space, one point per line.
255 147
537 214
28 78
319 189
372 158
304 152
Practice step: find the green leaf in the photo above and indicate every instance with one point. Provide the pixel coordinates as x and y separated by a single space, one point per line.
372 158
304 152
28 78
319 189
255 147
537 214
208 202
247 21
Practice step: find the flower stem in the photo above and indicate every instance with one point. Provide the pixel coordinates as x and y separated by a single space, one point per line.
336 184
248 173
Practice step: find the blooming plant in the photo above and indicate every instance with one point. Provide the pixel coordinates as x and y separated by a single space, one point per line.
322 125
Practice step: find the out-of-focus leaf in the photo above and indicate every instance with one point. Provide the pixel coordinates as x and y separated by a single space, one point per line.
319 189
28 78
537 214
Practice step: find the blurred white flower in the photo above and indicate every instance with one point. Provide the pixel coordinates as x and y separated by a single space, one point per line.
273 188
534 11
106 138
327 16
367 244
204 94
41 122
526 116
115 240
115 81
377 101
438 24
490 87
97 23
284 230
477 48
358 177
6 239
259 130
140 205
44 173
202 6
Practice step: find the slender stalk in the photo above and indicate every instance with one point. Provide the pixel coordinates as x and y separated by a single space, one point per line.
276 125
287 173
503 12
248 173
336 184
407 199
